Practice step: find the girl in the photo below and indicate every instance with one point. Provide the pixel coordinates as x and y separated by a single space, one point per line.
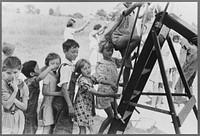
84 102
48 90
107 68
14 97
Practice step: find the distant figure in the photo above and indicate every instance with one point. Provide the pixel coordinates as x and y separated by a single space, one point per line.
7 50
94 41
70 29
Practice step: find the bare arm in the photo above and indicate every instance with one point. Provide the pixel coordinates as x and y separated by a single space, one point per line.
21 105
44 73
100 31
131 8
81 28
47 93
100 94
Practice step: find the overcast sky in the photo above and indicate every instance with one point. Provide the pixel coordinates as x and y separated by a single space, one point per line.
187 10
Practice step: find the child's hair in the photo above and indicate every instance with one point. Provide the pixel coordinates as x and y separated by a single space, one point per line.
29 67
103 43
80 64
68 44
11 62
8 49
70 22
96 27
51 56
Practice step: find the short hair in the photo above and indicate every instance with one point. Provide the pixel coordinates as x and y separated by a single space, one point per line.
96 27
103 43
29 67
11 62
8 49
69 43
51 56
70 22
80 64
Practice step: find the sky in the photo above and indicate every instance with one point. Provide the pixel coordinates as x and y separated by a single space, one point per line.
186 10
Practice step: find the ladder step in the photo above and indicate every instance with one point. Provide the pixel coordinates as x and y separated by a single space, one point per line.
145 70
186 110
135 93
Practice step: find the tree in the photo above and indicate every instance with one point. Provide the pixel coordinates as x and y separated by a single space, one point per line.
31 9
77 15
51 12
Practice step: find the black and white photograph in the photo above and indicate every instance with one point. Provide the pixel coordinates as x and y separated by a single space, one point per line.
126 67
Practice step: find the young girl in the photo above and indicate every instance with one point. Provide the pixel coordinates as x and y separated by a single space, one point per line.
84 102
14 97
48 90
107 68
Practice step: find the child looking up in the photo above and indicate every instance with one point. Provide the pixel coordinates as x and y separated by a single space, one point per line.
33 74
14 97
84 102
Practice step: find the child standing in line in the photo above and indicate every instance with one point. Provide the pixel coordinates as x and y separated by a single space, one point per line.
84 102
14 97
63 106
48 90
33 74
107 68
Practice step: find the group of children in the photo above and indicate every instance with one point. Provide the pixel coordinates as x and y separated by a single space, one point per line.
59 109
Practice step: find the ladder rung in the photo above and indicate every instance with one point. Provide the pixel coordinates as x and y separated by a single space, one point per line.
186 110
149 108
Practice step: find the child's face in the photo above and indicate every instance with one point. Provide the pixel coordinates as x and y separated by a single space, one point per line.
37 70
107 52
86 70
71 54
9 74
55 62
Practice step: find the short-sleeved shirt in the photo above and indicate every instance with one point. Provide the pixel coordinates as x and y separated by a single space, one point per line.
69 33
65 73
7 90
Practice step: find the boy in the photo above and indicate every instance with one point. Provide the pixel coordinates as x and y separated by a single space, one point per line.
33 74
63 123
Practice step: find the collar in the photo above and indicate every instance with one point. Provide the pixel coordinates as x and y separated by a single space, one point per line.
69 62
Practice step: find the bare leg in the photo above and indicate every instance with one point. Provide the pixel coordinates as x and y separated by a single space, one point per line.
107 121
91 129
46 130
82 130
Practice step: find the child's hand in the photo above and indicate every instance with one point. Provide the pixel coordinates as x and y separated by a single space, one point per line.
139 4
53 67
117 96
60 93
5 97
114 87
71 111
14 84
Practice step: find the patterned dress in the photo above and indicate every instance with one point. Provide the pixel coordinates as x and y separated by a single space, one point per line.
84 103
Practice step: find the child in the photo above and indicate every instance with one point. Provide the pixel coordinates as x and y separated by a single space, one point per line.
119 36
70 30
94 41
67 80
14 97
48 90
84 102
33 74
8 50
107 68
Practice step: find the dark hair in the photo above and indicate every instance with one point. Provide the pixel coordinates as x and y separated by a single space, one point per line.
29 67
80 64
103 43
51 56
96 27
68 44
70 22
11 62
